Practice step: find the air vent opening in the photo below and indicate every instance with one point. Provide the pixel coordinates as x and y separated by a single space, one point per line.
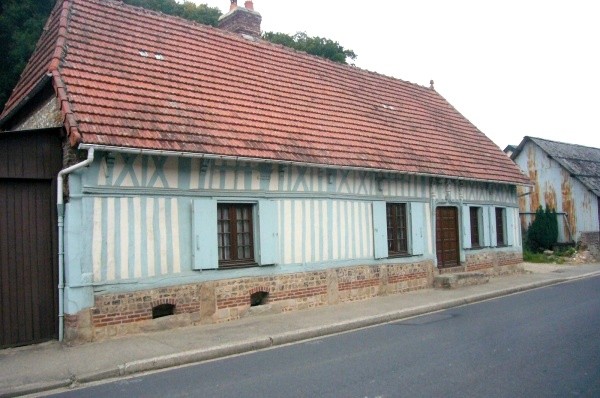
259 298
163 310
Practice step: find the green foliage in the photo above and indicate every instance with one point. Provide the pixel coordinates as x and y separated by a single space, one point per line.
318 46
550 258
531 257
543 232
567 252
21 24
194 12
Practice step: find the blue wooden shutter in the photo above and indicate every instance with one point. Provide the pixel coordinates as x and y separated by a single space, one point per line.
493 226
510 226
417 224
485 215
466 227
204 234
268 232
380 243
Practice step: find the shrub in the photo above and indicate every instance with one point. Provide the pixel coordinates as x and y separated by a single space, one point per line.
543 232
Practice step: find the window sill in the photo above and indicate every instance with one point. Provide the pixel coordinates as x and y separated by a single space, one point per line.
402 255
237 266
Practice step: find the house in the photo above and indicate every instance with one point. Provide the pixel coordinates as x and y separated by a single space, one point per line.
565 177
209 171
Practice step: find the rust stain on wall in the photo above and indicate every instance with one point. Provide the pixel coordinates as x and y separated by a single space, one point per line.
522 194
568 203
534 197
550 196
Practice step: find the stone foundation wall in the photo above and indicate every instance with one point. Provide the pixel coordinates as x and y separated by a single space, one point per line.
591 240
493 263
120 314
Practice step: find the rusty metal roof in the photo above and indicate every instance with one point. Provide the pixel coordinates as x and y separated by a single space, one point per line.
581 162
129 77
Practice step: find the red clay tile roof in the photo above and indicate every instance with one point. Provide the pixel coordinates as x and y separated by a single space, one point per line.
218 93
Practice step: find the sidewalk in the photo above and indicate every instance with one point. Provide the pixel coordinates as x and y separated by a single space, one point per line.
32 369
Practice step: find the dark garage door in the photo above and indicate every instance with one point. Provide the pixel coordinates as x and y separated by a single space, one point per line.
29 163
27 277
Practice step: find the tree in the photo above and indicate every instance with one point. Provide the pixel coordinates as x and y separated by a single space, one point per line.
188 10
543 232
21 25
318 46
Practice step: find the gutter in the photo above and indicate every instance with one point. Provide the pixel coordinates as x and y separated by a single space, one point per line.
157 152
61 244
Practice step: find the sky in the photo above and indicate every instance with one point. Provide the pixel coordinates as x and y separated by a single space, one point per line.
513 68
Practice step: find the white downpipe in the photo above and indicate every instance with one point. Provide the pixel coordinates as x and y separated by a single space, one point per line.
61 243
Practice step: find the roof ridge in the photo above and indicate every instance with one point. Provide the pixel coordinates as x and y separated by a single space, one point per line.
149 11
562 142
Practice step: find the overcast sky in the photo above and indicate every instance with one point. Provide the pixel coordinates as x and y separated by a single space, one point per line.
512 67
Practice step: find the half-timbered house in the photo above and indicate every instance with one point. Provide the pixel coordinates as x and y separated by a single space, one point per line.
206 172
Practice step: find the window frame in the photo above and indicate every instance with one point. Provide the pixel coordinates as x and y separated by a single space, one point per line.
395 242
234 261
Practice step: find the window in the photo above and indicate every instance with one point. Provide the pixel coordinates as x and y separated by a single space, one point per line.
475 215
500 236
235 235
396 229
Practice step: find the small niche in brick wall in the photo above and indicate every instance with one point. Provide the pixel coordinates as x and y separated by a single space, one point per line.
163 310
258 298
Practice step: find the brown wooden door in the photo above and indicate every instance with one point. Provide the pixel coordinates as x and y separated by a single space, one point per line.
27 265
446 229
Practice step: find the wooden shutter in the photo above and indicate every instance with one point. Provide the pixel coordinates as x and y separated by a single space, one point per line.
510 226
380 243
485 215
204 234
268 232
466 226
417 225
493 236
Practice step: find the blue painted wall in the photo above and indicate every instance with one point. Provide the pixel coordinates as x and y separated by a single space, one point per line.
131 220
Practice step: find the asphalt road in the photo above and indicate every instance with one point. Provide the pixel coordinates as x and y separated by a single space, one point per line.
541 343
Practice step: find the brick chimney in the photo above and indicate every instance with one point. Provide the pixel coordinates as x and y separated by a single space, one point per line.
242 20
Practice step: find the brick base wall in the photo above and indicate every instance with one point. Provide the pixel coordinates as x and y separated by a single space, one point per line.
119 314
493 263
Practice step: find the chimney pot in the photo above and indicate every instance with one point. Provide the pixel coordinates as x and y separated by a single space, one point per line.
249 5
233 5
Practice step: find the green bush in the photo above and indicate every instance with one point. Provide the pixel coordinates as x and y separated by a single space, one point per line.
543 232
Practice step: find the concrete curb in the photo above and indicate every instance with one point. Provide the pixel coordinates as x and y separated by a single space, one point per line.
194 356
197 356
35 388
